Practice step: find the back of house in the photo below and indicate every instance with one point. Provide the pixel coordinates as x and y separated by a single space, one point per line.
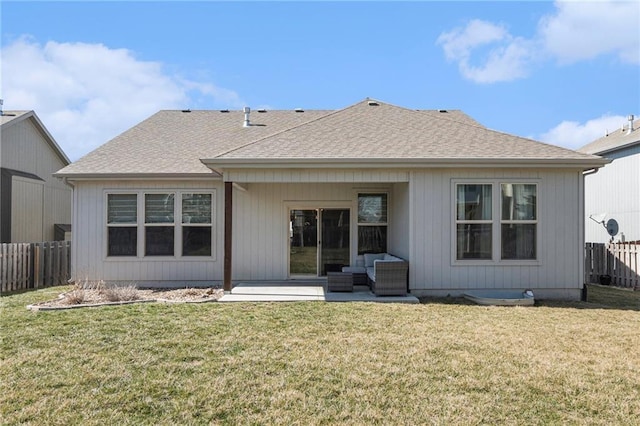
204 197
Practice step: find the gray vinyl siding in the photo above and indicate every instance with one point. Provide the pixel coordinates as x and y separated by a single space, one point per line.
420 230
399 221
615 190
89 245
26 149
558 273
261 222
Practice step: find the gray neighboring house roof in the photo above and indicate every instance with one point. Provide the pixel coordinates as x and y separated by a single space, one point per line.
614 141
175 143
10 118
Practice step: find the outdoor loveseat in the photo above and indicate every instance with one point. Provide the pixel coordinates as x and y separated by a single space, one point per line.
387 274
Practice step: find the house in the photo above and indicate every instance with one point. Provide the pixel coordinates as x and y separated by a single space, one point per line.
195 197
33 204
612 194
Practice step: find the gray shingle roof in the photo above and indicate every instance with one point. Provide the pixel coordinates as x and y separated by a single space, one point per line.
613 141
174 142
387 132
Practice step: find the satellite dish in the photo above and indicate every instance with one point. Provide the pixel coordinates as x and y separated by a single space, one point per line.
612 227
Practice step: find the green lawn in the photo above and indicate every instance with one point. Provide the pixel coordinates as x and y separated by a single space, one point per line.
322 363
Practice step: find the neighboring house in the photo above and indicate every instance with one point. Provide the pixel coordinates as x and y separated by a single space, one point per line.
195 197
613 193
32 202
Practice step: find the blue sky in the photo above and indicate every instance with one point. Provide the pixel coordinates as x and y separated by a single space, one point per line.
559 72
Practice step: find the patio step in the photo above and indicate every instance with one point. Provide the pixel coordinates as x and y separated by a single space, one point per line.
299 291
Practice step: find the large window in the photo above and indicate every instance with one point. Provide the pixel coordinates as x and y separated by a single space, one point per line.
473 221
122 224
519 221
159 224
482 234
372 223
177 224
196 224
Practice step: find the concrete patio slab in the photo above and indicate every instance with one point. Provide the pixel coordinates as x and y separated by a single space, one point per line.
293 291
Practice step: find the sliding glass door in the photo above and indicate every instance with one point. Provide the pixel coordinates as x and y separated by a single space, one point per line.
334 248
319 241
303 246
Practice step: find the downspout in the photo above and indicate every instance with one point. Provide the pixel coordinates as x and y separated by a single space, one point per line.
74 251
583 294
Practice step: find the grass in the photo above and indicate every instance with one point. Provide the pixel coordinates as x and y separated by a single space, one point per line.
322 363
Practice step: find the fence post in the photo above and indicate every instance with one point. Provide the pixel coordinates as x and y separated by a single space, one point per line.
3 267
39 264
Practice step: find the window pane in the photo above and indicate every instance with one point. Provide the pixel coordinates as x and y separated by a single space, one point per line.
122 208
196 241
372 239
473 241
372 208
158 208
123 241
159 241
519 241
196 208
473 202
518 202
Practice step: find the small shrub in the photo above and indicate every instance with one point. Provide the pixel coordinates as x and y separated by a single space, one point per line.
117 293
75 296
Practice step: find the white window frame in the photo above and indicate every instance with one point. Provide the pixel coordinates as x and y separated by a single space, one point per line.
363 224
121 225
177 225
496 222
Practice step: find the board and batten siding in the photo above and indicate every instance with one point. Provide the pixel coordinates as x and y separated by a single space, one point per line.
316 176
25 148
261 222
559 272
27 208
89 245
400 234
614 193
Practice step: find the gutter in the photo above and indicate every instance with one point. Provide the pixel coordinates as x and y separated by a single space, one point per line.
351 163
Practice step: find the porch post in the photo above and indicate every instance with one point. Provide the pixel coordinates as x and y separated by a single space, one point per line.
228 222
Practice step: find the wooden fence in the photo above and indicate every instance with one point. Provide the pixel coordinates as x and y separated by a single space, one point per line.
29 266
613 263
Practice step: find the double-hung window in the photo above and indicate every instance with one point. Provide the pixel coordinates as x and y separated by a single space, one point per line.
372 223
122 224
518 223
496 221
196 224
172 223
474 221
159 229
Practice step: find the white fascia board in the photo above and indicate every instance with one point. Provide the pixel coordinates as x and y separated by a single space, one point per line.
353 163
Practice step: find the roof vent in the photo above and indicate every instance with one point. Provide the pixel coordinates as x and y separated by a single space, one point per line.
262 110
630 128
373 103
1 103
246 111
443 110
224 110
186 110
299 110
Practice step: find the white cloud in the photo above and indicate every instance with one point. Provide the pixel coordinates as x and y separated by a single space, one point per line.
507 57
574 135
586 29
575 31
87 94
